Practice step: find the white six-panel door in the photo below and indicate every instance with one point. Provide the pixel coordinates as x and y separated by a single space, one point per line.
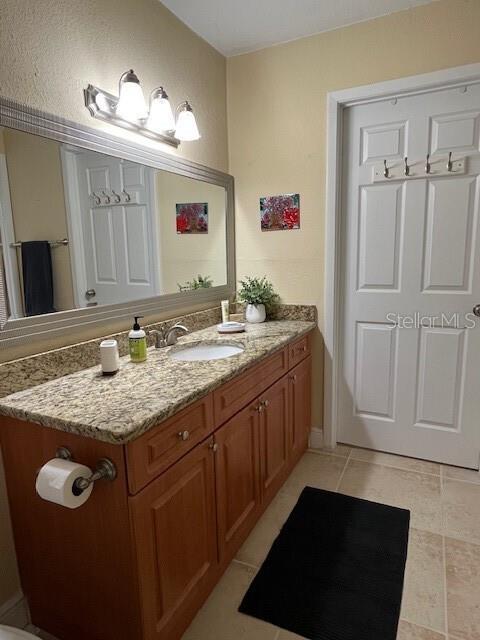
119 239
409 380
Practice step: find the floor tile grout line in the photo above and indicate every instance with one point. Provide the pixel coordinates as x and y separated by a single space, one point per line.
444 552
246 564
398 468
422 626
347 459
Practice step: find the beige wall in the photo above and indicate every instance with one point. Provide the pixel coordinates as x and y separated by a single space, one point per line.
183 257
277 124
51 49
38 202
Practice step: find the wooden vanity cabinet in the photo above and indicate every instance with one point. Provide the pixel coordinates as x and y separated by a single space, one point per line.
237 473
274 437
300 406
139 559
175 531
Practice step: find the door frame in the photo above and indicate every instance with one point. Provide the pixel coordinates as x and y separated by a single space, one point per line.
337 102
10 259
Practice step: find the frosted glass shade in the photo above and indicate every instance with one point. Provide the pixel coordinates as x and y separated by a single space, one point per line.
131 104
187 129
161 115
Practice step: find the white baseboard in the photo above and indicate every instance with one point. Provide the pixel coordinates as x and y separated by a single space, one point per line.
316 438
14 612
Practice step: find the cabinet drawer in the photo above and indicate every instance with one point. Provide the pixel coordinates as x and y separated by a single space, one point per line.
159 448
299 350
237 393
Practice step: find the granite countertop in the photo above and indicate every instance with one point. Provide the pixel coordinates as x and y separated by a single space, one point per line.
119 408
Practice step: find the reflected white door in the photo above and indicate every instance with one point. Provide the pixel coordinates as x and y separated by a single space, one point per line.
119 236
409 381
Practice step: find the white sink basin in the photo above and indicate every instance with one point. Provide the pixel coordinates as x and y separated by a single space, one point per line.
206 351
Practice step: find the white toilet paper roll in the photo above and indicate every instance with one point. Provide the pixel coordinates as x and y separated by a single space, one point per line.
55 483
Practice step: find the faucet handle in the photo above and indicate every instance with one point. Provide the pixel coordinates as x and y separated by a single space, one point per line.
159 335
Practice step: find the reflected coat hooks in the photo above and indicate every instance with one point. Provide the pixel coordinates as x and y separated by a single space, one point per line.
428 166
105 199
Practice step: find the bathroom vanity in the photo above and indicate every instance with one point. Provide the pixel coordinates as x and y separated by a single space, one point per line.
200 451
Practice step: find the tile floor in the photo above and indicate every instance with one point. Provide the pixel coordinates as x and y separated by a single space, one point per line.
441 599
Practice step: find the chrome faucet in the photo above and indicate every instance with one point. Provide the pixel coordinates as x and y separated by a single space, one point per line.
167 337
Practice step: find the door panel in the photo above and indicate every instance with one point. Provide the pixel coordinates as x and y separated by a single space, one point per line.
441 369
448 239
174 526
411 248
103 245
380 237
274 430
300 381
376 370
237 473
136 235
455 132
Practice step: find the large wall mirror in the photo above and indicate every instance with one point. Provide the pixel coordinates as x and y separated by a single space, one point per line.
93 227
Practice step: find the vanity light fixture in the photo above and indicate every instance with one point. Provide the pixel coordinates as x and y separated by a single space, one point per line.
160 118
129 111
186 128
131 101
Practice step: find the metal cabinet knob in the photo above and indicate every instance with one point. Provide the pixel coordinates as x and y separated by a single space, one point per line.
213 447
293 377
184 435
266 403
476 310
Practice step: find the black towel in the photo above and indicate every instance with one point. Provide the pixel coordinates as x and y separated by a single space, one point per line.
37 277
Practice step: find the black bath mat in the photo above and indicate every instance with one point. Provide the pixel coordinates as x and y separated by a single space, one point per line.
336 570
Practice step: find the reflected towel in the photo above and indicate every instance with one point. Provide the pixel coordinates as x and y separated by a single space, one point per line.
37 277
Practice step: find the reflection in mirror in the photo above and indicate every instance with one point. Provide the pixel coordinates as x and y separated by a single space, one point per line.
79 229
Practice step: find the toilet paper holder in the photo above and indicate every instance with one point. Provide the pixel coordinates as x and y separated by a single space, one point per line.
105 469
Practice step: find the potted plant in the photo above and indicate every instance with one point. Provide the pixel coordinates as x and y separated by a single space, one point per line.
259 296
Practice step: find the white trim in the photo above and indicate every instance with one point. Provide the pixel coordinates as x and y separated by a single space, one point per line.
156 240
8 236
337 101
73 211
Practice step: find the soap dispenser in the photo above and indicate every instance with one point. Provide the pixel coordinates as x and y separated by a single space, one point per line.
137 342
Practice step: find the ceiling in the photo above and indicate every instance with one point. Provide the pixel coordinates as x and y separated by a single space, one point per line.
238 26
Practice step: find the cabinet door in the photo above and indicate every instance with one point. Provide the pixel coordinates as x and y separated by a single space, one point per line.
274 430
300 408
237 468
174 525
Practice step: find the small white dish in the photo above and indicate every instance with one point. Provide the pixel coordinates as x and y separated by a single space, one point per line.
231 327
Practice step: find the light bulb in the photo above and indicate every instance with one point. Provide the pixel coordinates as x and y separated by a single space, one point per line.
186 129
161 115
131 102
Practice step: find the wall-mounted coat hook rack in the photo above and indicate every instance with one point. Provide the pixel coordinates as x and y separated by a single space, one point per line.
433 167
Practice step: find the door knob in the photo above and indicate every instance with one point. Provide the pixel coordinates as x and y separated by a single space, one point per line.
90 293
476 310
